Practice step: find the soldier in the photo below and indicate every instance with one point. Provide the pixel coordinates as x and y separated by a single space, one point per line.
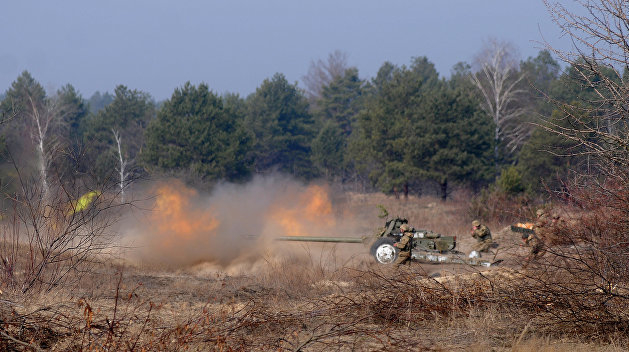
537 247
405 245
541 224
483 238
550 228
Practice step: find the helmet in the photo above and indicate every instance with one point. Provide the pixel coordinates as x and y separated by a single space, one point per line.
525 236
475 223
539 212
405 228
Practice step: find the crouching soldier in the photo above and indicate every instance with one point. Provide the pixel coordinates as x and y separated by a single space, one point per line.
404 245
483 239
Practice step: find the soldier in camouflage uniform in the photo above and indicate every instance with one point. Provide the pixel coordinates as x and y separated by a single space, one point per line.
405 245
537 247
541 224
549 228
483 237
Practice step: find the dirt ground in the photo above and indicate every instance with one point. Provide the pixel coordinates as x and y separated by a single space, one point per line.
292 296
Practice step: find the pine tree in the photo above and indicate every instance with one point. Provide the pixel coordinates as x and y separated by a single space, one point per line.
195 132
279 119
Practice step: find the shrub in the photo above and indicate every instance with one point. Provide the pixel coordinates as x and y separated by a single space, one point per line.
510 181
495 205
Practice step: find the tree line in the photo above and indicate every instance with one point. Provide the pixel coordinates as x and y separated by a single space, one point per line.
406 130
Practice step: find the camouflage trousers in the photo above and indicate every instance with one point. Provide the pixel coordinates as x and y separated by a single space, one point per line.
482 246
537 250
403 258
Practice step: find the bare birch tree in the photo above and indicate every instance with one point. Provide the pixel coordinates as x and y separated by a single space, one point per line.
321 73
122 168
42 117
498 81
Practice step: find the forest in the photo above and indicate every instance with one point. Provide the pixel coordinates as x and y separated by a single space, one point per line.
408 130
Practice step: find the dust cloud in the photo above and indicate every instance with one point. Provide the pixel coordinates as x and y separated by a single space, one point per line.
235 224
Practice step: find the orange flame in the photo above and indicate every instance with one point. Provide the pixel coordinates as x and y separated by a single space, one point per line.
312 209
317 203
176 219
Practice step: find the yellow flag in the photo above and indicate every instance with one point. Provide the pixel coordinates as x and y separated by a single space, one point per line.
83 202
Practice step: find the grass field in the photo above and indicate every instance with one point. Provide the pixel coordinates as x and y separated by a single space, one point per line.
301 297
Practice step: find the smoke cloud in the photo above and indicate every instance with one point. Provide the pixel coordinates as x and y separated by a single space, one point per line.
236 224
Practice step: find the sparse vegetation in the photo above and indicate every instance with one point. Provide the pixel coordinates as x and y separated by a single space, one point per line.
320 299
48 239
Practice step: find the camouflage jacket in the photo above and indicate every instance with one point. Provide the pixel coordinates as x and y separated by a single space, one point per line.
482 233
404 245
541 225
535 243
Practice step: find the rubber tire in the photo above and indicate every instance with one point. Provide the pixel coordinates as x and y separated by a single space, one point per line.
383 244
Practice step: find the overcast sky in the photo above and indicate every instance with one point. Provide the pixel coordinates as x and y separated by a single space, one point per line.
233 45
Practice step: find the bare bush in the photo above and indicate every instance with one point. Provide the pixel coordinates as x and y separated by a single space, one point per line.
581 283
579 286
49 234
599 121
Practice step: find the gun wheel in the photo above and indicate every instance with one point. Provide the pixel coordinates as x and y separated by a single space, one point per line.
384 251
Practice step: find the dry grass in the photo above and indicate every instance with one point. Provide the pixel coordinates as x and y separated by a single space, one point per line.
346 309
316 300
428 212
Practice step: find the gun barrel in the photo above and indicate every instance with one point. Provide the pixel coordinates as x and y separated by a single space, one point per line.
516 228
320 239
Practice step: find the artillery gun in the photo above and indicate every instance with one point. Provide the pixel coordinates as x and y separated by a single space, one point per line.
427 245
